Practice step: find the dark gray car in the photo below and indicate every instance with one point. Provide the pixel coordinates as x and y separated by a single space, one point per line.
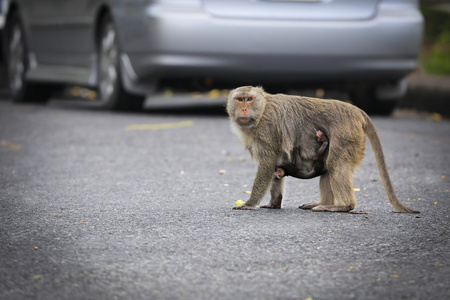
125 48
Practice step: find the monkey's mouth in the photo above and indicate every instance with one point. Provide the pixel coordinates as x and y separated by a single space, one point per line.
245 121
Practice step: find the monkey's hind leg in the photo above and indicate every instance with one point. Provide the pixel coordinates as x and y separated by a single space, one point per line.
339 185
326 195
276 193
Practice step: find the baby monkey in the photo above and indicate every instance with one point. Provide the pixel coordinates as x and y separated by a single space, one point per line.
295 168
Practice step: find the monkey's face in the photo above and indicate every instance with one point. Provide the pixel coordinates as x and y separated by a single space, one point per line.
244 106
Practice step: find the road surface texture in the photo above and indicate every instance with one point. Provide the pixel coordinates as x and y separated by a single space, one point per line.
101 205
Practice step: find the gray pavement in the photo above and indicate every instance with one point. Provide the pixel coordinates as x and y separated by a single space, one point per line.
92 208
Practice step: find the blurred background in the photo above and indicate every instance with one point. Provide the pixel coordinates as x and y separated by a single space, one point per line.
378 54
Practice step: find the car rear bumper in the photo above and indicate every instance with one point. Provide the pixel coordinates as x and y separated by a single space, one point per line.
191 43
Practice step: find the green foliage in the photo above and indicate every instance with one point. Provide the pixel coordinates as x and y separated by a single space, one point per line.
436 49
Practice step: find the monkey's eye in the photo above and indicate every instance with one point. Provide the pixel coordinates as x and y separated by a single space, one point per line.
240 99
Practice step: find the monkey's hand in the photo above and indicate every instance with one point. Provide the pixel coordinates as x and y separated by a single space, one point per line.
244 207
321 137
279 173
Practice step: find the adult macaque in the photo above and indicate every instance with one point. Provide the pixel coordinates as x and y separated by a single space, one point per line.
271 126
296 169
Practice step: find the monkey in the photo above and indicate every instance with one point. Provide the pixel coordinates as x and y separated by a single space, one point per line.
271 125
295 168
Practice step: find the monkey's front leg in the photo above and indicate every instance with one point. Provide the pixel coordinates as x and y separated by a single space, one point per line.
261 184
276 193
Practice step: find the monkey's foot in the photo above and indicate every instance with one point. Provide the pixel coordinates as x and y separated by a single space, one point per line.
244 207
272 206
332 208
308 205
274 203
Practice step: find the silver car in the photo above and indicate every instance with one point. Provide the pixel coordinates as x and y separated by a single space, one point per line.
126 48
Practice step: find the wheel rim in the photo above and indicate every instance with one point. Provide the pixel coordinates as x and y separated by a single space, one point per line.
16 67
108 63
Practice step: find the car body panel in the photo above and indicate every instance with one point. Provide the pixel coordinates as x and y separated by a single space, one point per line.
312 10
245 41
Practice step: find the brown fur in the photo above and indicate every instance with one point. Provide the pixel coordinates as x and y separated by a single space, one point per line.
279 122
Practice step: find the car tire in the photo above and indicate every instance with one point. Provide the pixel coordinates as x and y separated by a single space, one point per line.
367 101
113 96
17 65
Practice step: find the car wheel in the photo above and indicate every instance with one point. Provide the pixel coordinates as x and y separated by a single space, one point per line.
18 65
112 93
367 101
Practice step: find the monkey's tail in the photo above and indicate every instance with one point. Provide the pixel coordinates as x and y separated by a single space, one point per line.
371 132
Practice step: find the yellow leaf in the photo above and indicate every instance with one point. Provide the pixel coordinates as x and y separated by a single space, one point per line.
356 189
168 94
436 117
159 126
10 146
214 94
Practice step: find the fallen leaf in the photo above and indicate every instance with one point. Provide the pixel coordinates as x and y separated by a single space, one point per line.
10 146
221 172
395 276
356 189
168 93
247 192
436 117
443 176
214 94
161 126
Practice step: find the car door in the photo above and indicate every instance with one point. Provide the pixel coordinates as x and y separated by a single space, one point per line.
61 31
46 36
79 25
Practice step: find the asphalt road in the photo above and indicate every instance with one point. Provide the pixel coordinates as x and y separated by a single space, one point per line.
95 207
